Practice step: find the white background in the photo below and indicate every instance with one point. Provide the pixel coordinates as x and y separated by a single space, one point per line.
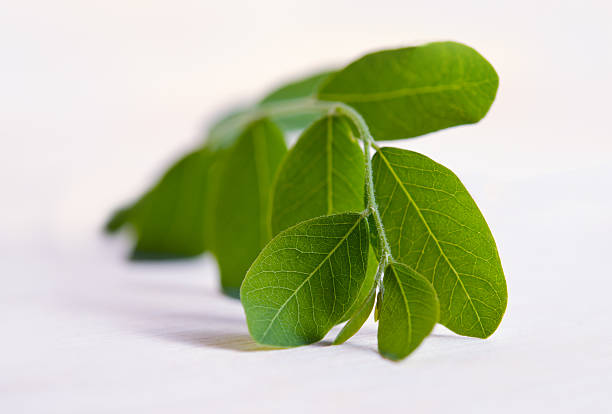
98 97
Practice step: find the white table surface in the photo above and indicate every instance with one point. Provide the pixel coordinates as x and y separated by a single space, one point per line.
97 98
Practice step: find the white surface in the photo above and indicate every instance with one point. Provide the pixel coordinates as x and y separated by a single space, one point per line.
96 97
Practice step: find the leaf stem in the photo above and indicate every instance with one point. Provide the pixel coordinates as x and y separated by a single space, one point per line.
368 141
250 114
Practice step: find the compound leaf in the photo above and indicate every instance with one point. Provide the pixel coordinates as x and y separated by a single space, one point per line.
322 174
412 91
240 228
408 313
304 281
434 226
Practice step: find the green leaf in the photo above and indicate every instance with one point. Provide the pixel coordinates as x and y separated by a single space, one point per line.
408 313
412 91
299 89
323 173
169 219
305 280
118 219
240 227
357 319
434 226
366 287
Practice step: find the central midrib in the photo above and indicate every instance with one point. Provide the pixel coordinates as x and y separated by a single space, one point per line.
330 125
416 207
398 93
261 168
311 274
399 283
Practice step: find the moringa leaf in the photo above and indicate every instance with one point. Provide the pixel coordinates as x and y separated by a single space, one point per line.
408 92
357 319
434 226
169 219
307 277
366 287
322 174
408 313
240 228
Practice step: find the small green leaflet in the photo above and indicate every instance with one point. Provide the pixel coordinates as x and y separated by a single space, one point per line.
169 219
240 228
304 281
358 319
300 89
322 174
366 287
412 91
434 226
408 313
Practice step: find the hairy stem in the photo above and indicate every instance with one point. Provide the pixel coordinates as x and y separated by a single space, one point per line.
368 141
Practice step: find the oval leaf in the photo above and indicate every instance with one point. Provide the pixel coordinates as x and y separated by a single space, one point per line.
323 173
240 228
366 287
434 226
408 313
169 219
357 319
305 280
412 91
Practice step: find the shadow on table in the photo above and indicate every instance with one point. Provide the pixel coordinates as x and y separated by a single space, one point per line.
217 339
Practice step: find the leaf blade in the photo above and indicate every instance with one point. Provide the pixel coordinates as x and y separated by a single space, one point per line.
448 240
318 265
323 173
168 220
412 91
245 179
357 320
408 313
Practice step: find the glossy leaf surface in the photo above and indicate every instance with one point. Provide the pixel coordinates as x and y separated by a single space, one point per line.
412 91
324 173
434 226
305 280
408 313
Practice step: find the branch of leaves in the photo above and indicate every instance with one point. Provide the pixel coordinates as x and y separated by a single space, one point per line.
323 231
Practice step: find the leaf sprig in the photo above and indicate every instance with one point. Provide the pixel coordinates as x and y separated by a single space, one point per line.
324 233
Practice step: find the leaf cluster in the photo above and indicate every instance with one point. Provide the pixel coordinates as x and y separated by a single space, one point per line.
321 233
